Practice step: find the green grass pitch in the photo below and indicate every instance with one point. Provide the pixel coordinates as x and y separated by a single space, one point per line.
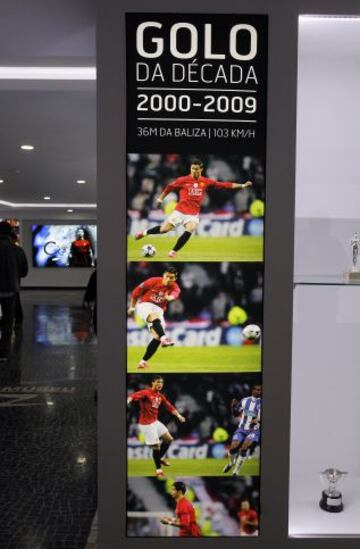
208 467
198 359
242 248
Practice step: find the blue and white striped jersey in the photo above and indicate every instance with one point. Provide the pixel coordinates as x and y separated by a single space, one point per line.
250 409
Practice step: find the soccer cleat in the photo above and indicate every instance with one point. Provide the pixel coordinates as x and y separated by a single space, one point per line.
166 342
172 253
142 365
227 467
165 462
160 475
140 235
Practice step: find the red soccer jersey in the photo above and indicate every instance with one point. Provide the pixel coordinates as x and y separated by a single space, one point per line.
185 512
192 192
154 291
251 516
82 245
80 253
150 402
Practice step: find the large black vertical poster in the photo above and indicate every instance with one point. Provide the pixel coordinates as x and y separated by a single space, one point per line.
196 140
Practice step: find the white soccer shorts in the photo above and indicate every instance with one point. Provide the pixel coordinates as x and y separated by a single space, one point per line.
179 218
153 432
143 310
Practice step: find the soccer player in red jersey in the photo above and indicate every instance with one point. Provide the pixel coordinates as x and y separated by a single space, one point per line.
81 253
149 301
191 189
249 522
155 433
185 513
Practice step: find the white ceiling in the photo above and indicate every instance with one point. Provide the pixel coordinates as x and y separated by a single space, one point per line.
57 117
43 30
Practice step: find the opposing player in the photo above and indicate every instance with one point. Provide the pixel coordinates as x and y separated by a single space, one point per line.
149 301
155 433
191 190
247 435
185 513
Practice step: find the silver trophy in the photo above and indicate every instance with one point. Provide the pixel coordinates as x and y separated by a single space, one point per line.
331 498
353 275
355 246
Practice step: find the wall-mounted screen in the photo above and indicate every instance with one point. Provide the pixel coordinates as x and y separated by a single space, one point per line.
62 246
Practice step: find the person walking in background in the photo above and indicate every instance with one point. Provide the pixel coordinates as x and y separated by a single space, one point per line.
19 314
90 299
13 266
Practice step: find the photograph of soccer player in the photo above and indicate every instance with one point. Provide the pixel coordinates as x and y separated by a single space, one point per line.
149 301
185 519
81 253
209 507
247 435
155 433
191 189
199 445
207 322
248 518
183 207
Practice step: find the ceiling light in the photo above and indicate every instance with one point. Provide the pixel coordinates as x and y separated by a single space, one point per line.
42 205
47 198
81 181
70 211
331 17
47 73
27 147
1 181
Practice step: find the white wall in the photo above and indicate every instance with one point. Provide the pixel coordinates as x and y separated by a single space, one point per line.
322 246
50 278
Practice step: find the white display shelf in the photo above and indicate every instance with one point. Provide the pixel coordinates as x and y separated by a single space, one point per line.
326 280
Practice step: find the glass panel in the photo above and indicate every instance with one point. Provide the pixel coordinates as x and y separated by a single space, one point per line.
325 410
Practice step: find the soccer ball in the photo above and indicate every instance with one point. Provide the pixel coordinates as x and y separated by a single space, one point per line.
251 331
148 250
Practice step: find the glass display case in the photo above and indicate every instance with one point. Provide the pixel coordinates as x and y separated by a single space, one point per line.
325 409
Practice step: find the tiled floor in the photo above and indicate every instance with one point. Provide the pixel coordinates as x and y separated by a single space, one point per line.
48 427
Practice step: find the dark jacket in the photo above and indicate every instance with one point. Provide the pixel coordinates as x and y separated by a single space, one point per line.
90 292
13 265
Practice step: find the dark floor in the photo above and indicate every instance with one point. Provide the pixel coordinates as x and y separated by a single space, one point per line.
48 426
